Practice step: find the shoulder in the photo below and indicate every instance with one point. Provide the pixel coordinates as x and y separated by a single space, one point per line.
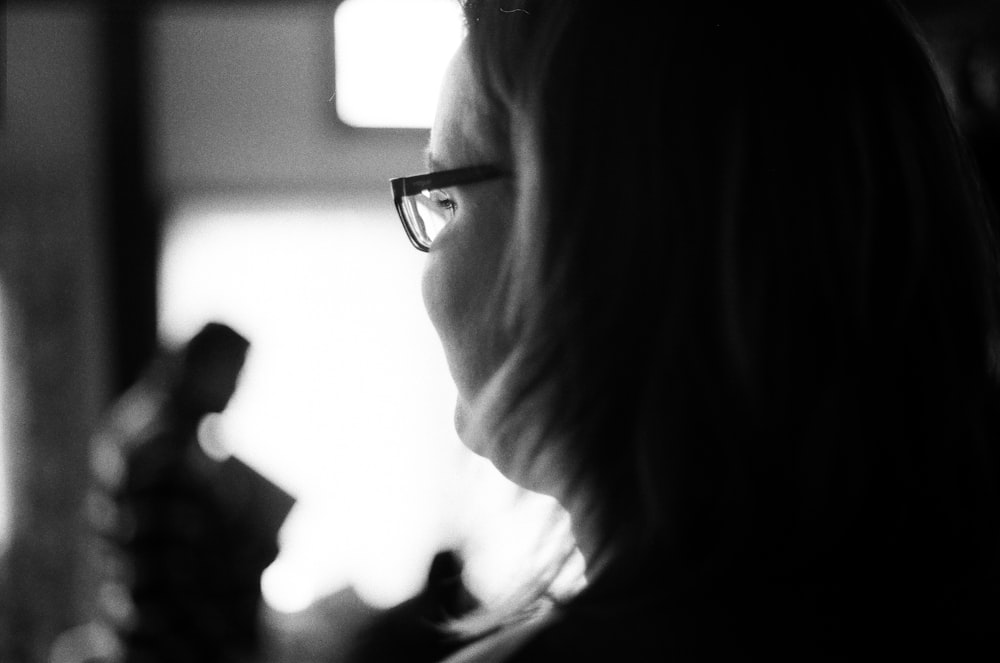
584 633
500 646
574 634
762 622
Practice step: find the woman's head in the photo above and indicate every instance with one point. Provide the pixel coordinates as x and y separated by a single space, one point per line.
740 280
209 369
461 276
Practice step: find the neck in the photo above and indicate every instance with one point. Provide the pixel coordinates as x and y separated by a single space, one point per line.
593 539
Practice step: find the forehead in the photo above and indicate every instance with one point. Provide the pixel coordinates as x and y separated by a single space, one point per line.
459 135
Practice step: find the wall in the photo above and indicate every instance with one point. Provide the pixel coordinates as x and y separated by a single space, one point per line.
51 271
241 101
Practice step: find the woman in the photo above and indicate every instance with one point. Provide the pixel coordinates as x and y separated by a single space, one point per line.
720 280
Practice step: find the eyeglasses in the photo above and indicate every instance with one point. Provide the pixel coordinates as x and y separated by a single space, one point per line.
424 209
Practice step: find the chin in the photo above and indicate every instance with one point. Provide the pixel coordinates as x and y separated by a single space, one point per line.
466 432
459 420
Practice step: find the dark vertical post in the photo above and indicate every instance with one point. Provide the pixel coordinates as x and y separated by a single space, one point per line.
133 222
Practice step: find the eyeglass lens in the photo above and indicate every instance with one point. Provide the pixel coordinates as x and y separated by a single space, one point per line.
425 216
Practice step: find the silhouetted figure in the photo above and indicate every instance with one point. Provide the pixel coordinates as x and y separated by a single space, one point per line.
192 534
413 630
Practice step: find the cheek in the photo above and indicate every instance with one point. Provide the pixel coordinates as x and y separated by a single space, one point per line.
460 277
447 285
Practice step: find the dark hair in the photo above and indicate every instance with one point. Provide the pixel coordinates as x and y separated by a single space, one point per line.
215 340
752 286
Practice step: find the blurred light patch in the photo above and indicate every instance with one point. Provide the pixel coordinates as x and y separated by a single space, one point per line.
345 401
390 57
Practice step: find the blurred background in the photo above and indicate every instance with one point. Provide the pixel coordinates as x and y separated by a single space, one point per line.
171 162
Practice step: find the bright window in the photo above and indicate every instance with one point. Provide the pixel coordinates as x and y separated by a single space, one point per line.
345 401
390 56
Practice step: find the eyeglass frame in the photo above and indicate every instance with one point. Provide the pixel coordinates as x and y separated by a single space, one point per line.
415 184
